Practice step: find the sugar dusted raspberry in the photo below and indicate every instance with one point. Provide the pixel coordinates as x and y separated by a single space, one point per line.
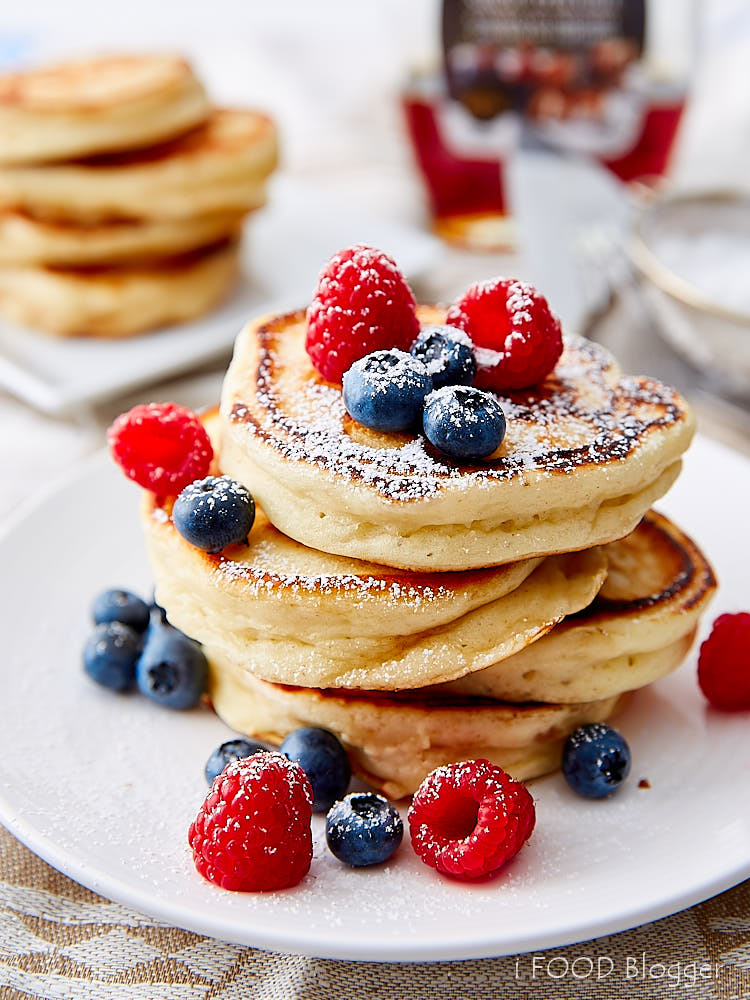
517 340
468 819
252 833
362 304
724 662
162 446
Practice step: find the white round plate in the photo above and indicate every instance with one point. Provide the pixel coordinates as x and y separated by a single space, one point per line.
104 786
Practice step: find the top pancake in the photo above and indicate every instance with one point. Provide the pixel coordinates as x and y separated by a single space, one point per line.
586 453
95 105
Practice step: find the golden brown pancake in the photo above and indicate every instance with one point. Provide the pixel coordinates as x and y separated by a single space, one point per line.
220 166
118 301
87 106
586 453
25 239
517 713
395 740
296 615
639 626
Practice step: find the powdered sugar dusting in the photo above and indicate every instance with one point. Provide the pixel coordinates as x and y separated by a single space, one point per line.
581 414
259 580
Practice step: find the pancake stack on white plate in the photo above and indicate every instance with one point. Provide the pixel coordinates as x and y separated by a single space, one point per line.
123 193
428 611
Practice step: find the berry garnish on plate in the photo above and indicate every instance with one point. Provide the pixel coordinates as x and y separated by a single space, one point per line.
595 760
363 829
214 512
385 390
463 422
323 759
161 446
110 655
724 663
447 353
468 819
229 751
172 669
517 340
362 304
121 606
252 833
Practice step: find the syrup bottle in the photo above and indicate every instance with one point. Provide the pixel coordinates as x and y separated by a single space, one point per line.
602 78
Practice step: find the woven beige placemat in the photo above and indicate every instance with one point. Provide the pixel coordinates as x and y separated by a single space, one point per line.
58 940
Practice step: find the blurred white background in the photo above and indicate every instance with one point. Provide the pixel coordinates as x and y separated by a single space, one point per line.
330 72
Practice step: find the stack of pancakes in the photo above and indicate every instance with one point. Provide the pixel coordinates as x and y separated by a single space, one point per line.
424 610
122 194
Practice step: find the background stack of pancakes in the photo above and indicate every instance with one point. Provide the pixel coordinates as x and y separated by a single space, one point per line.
428 611
122 194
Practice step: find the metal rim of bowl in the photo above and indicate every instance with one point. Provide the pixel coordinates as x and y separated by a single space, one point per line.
663 277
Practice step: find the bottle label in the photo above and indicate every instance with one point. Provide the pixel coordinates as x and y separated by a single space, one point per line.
568 70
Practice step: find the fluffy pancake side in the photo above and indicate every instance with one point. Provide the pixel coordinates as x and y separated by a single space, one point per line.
639 626
25 239
296 615
586 454
519 711
394 741
351 625
658 585
118 302
220 166
94 105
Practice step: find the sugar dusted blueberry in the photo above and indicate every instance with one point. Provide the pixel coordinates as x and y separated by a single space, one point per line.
363 829
596 760
385 390
448 355
214 512
464 422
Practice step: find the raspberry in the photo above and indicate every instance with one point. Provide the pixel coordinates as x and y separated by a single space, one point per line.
468 819
252 833
162 446
724 662
516 337
362 304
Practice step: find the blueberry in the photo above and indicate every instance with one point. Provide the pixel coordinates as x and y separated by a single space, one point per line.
448 355
120 606
324 761
227 752
385 390
110 655
363 829
596 760
214 512
172 669
463 422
